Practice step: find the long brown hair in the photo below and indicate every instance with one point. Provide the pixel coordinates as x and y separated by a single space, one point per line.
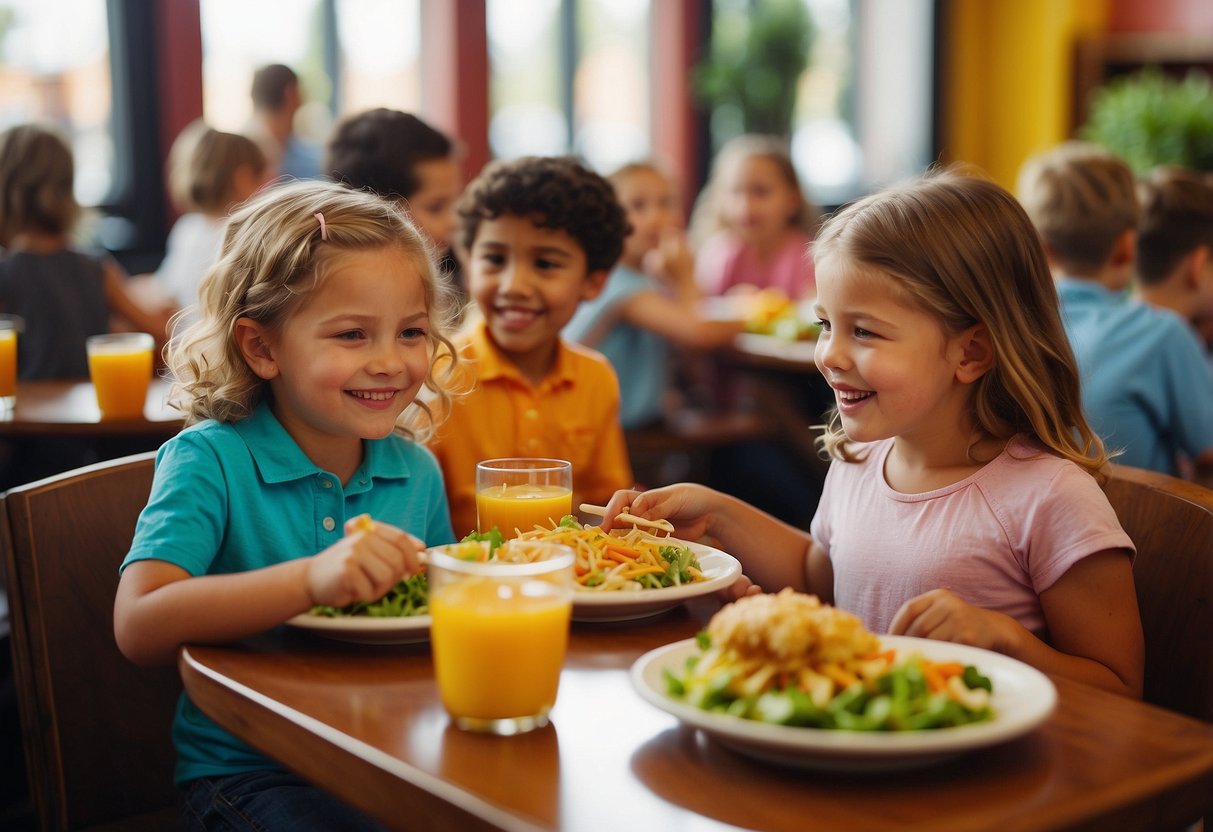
966 251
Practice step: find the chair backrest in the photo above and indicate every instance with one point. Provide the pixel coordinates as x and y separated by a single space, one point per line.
96 728
1171 522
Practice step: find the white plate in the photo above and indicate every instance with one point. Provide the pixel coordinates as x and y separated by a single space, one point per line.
366 629
627 604
1023 698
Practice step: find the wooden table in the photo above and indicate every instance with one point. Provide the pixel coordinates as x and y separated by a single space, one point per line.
52 409
365 722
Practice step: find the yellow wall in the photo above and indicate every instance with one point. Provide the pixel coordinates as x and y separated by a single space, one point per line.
1007 78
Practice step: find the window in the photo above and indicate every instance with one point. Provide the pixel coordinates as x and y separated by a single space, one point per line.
569 76
865 113
55 68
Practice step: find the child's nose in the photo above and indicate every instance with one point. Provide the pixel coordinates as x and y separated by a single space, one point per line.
830 352
514 279
386 359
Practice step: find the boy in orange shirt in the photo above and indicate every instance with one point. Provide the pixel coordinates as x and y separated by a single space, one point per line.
536 236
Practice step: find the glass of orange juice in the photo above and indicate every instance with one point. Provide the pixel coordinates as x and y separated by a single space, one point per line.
10 325
499 633
120 365
516 494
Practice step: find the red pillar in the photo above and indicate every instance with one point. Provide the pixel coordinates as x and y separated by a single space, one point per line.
179 70
455 86
675 42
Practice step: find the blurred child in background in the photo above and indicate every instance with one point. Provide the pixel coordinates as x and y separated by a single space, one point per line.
537 236
209 173
64 295
753 225
1146 386
650 301
399 156
1175 245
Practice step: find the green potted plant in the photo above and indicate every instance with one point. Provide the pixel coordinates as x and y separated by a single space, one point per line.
748 79
1149 119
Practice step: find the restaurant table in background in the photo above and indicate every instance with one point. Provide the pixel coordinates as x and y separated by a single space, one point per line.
366 723
55 425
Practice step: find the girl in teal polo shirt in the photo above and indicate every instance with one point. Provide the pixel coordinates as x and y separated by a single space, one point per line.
315 333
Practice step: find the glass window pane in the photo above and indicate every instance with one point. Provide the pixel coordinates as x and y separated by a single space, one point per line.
864 106
379 43
611 85
526 113
55 68
239 36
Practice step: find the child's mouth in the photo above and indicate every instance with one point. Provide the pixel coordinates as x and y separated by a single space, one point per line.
517 318
374 399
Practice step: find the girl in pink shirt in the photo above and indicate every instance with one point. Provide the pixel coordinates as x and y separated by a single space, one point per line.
752 224
963 502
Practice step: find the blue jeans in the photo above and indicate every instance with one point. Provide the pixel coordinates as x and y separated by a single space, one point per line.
266 801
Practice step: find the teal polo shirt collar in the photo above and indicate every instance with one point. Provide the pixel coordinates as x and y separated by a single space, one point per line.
279 458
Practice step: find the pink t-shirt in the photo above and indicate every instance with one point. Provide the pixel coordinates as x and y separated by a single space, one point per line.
724 262
997 539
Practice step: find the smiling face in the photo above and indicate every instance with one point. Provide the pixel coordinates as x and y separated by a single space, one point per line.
432 206
651 207
894 369
528 282
349 359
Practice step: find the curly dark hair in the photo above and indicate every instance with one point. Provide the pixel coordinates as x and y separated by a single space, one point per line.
553 192
380 149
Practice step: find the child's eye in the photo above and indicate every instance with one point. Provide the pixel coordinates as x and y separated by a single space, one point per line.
545 264
824 324
350 335
413 333
860 332
492 259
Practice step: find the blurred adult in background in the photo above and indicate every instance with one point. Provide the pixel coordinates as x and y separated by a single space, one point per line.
276 99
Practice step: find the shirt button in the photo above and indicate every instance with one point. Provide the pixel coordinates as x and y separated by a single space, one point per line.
329 524
531 414
326 482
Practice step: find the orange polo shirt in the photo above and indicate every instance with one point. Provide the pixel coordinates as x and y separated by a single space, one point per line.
573 414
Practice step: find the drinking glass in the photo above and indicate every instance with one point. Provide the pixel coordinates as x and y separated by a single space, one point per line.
517 494
120 365
10 325
499 633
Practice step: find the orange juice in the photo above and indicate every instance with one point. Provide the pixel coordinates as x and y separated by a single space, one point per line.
8 363
121 377
510 507
498 648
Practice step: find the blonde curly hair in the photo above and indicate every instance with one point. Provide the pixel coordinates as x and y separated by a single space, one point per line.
275 251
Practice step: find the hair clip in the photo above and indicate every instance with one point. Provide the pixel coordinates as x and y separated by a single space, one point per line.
324 231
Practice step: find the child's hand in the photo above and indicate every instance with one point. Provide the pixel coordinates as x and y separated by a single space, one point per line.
941 615
672 260
740 588
364 564
687 506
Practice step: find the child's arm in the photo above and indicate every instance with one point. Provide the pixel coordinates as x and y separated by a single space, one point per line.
124 306
159 606
677 323
1091 615
773 554
678 318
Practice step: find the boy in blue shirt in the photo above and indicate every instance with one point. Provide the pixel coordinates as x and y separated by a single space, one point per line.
1146 386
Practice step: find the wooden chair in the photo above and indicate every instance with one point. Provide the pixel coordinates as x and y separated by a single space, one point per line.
96 728
1171 522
